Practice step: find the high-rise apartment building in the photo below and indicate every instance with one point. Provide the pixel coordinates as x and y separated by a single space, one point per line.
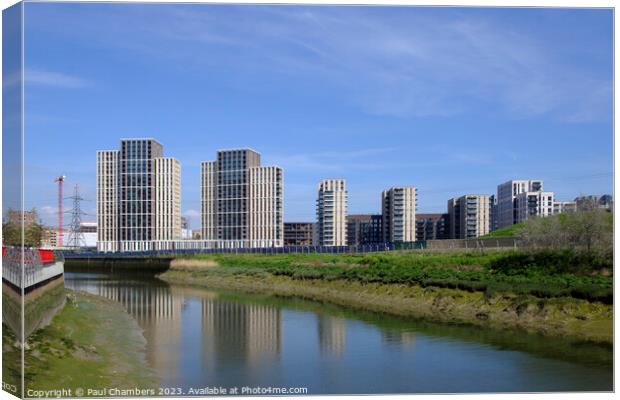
364 229
331 211
138 196
241 202
432 226
167 199
469 216
506 199
494 212
137 189
108 200
533 204
398 205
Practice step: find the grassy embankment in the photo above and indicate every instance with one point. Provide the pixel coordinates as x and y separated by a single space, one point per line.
507 231
554 293
91 343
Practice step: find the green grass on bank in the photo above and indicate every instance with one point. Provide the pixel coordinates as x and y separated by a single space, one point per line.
543 274
91 343
507 231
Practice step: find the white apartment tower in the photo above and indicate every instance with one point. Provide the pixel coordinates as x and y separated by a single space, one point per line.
208 197
469 216
241 201
398 205
507 212
265 219
107 200
138 196
167 198
331 212
533 204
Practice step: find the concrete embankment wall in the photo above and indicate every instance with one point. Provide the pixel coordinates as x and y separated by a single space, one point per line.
32 282
41 304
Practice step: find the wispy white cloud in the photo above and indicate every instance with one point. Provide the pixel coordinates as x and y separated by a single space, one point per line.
192 213
48 215
410 68
412 64
48 210
331 161
54 79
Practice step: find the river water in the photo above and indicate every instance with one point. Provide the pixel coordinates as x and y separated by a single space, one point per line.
200 337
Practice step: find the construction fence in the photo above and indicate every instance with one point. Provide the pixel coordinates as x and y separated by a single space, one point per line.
474 243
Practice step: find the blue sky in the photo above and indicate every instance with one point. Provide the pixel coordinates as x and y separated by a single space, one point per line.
450 100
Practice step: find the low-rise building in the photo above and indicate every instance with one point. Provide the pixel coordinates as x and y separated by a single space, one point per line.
186 232
298 233
606 201
16 217
590 202
49 238
432 226
88 231
364 229
560 207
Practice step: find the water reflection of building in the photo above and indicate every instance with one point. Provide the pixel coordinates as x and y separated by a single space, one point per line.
332 334
404 339
157 310
233 331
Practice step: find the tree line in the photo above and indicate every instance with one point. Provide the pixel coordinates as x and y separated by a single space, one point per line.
33 232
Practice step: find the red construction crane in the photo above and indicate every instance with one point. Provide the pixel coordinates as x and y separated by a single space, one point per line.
60 180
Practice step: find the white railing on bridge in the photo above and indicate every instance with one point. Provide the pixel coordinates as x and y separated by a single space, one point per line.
33 271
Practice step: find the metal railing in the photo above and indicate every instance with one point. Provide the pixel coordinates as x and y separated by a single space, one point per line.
446 244
366 248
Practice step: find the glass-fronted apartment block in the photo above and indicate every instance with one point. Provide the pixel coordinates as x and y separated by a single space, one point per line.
398 205
331 212
138 196
241 202
469 216
137 189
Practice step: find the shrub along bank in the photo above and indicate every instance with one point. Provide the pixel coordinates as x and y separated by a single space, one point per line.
544 274
493 290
